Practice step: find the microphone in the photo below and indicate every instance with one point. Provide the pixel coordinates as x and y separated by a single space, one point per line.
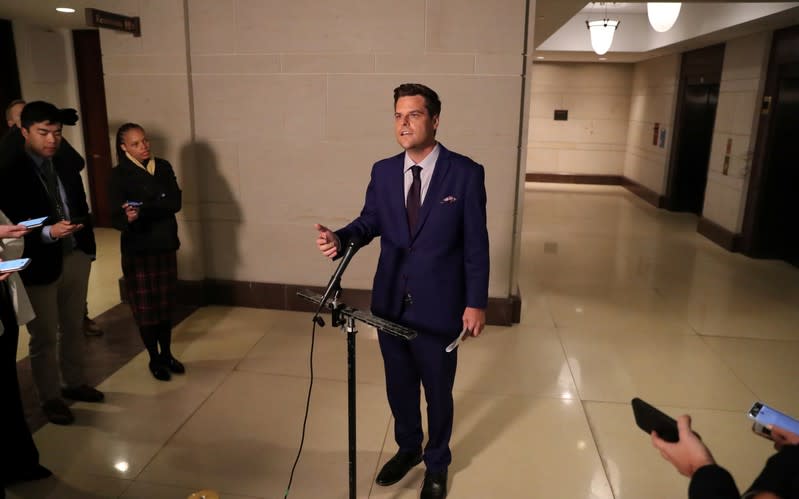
335 281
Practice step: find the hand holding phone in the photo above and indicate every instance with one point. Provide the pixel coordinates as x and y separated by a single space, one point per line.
688 454
13 231
64 228
132 210
33 223
773 424
650 419
9 266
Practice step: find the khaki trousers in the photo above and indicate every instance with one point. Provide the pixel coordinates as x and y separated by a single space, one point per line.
57 343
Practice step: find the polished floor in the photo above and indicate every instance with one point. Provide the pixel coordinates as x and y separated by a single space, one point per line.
619 300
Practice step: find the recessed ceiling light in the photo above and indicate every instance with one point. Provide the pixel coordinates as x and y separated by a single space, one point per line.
65 10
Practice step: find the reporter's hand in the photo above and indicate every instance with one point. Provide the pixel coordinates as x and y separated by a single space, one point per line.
327 241
64 228
687 455
132 212
4 275
781 437
13 231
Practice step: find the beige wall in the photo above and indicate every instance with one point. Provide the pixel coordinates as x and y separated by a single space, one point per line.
594 139
147 82
742 81
291 103
654 96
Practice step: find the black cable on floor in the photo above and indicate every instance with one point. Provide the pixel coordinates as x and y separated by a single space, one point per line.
305 419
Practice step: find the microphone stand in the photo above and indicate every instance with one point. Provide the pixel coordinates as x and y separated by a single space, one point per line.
345 317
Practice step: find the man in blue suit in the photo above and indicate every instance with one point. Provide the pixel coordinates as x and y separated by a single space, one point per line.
428 206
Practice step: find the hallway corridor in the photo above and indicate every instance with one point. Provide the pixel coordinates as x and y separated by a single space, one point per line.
619 300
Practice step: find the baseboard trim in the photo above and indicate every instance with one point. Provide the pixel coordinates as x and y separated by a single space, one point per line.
645 193
574 178
718 234
279 296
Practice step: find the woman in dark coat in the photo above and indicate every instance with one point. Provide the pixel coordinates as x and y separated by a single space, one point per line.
146 192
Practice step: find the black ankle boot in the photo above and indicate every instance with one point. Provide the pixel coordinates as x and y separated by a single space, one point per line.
173 364
159 370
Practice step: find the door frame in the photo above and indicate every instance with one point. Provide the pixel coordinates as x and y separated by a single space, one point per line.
701 66
10 88
94 120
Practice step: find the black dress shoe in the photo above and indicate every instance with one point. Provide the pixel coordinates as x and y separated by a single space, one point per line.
83 393
159 370
397 467
37 472
57 412
173 364
435 485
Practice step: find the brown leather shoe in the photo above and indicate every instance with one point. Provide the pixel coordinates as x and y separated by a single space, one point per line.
435 485
57 412
397 467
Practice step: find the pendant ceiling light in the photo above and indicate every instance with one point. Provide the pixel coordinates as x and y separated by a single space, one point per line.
602 34
662 15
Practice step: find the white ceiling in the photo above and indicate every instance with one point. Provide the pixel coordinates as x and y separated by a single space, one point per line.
700 24
559 32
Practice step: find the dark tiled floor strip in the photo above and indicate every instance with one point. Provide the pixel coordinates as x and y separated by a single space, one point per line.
104 356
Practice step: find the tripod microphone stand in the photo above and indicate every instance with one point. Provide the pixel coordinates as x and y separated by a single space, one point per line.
345 317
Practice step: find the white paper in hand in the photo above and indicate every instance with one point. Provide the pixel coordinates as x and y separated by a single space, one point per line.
464 334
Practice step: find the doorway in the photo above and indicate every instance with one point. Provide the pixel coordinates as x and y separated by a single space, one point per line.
698 95
769 228
9 76
94 120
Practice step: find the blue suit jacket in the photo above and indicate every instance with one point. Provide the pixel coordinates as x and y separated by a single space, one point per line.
444 264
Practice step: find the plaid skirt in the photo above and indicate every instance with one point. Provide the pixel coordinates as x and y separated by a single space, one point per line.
151 286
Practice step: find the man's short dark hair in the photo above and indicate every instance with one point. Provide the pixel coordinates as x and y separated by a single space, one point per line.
431 100
39 112
12 104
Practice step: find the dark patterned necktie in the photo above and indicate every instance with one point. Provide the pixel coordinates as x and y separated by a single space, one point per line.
52 187
414 201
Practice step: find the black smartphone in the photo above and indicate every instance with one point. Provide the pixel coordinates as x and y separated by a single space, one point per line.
78 220
651 419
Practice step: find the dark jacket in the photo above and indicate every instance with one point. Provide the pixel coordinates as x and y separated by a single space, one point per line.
780 476
156 230
23 196
444 264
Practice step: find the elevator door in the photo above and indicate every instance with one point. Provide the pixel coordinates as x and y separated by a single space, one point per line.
780 215
698 117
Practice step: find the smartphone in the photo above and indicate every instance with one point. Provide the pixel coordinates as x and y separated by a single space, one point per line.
760 430
650 419
32 224
14 265
78 220
134 204
765 415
